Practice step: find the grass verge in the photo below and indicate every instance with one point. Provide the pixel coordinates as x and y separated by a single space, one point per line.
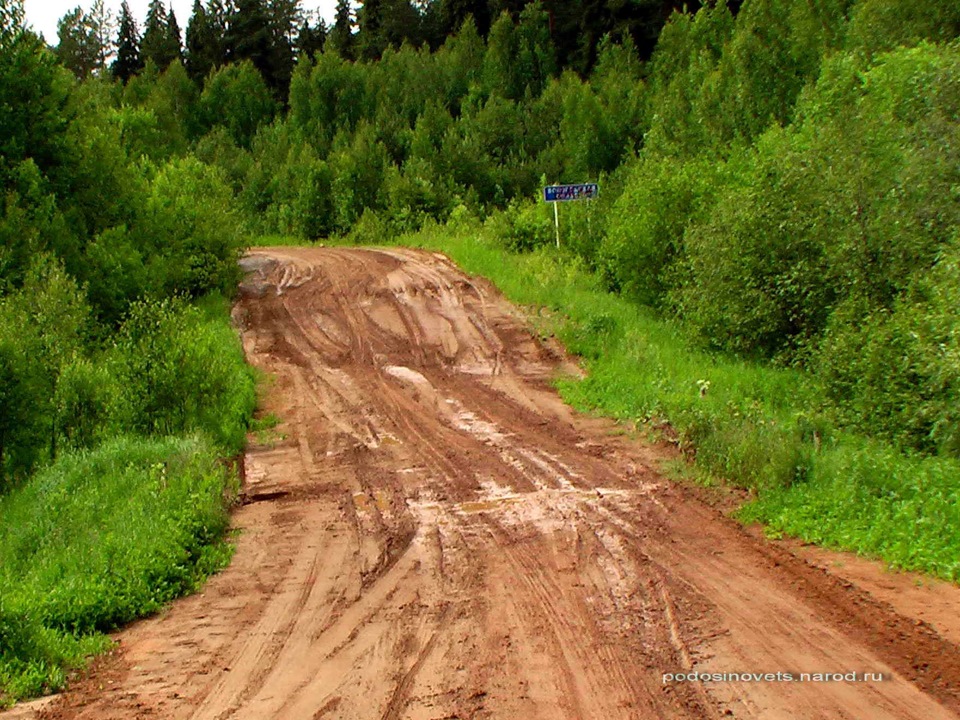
98 539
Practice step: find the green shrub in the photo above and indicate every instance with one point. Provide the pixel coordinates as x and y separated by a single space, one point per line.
194 228
896 374
646 226
179 371
236 97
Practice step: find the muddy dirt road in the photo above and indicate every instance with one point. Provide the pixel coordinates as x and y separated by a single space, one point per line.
438 536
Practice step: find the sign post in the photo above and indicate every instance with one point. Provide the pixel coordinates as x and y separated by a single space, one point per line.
556 222
565 193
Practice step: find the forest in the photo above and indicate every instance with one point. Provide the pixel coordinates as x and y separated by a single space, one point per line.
780 187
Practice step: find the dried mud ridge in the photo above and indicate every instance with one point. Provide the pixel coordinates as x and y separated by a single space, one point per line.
435 535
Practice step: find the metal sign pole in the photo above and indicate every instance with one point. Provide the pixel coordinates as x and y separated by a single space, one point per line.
556 222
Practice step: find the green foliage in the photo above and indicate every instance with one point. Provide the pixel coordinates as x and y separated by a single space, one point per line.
844 206
774 51
687 53
327 96
881 25
359 169
43 329
500 72
178 372
523 226
236 97
195 229
32 92
644 241
895 373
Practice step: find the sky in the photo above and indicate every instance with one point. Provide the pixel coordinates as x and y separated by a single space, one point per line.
43 15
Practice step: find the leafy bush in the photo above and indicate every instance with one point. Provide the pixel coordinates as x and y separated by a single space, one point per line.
236 98
194 229
179 371
646 226
844 206
896 374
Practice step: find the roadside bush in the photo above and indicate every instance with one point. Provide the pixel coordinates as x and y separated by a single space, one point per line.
179 371
194 230
845 206
524 226
895 374
645 230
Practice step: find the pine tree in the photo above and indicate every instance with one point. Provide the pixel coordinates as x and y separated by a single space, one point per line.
248 35
370 40
205 40
128 62
401 23
500 72
453 13
311 40
537 58
284 17
155 44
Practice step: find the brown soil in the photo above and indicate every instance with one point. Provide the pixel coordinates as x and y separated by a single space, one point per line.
435 535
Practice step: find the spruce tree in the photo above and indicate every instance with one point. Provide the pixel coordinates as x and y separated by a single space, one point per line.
401 23
174 36
155 43
205 40
341 37
370 39
248 35
453 13
128 62
284 18
311 40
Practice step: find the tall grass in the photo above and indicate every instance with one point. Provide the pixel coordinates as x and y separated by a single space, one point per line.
97 539
754 426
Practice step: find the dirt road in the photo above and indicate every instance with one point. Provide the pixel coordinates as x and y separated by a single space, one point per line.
438 536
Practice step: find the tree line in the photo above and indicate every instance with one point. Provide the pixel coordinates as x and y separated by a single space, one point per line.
273 34
738 196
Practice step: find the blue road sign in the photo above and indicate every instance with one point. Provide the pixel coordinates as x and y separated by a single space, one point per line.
562 193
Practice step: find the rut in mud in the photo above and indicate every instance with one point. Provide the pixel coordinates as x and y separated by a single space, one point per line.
438 536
